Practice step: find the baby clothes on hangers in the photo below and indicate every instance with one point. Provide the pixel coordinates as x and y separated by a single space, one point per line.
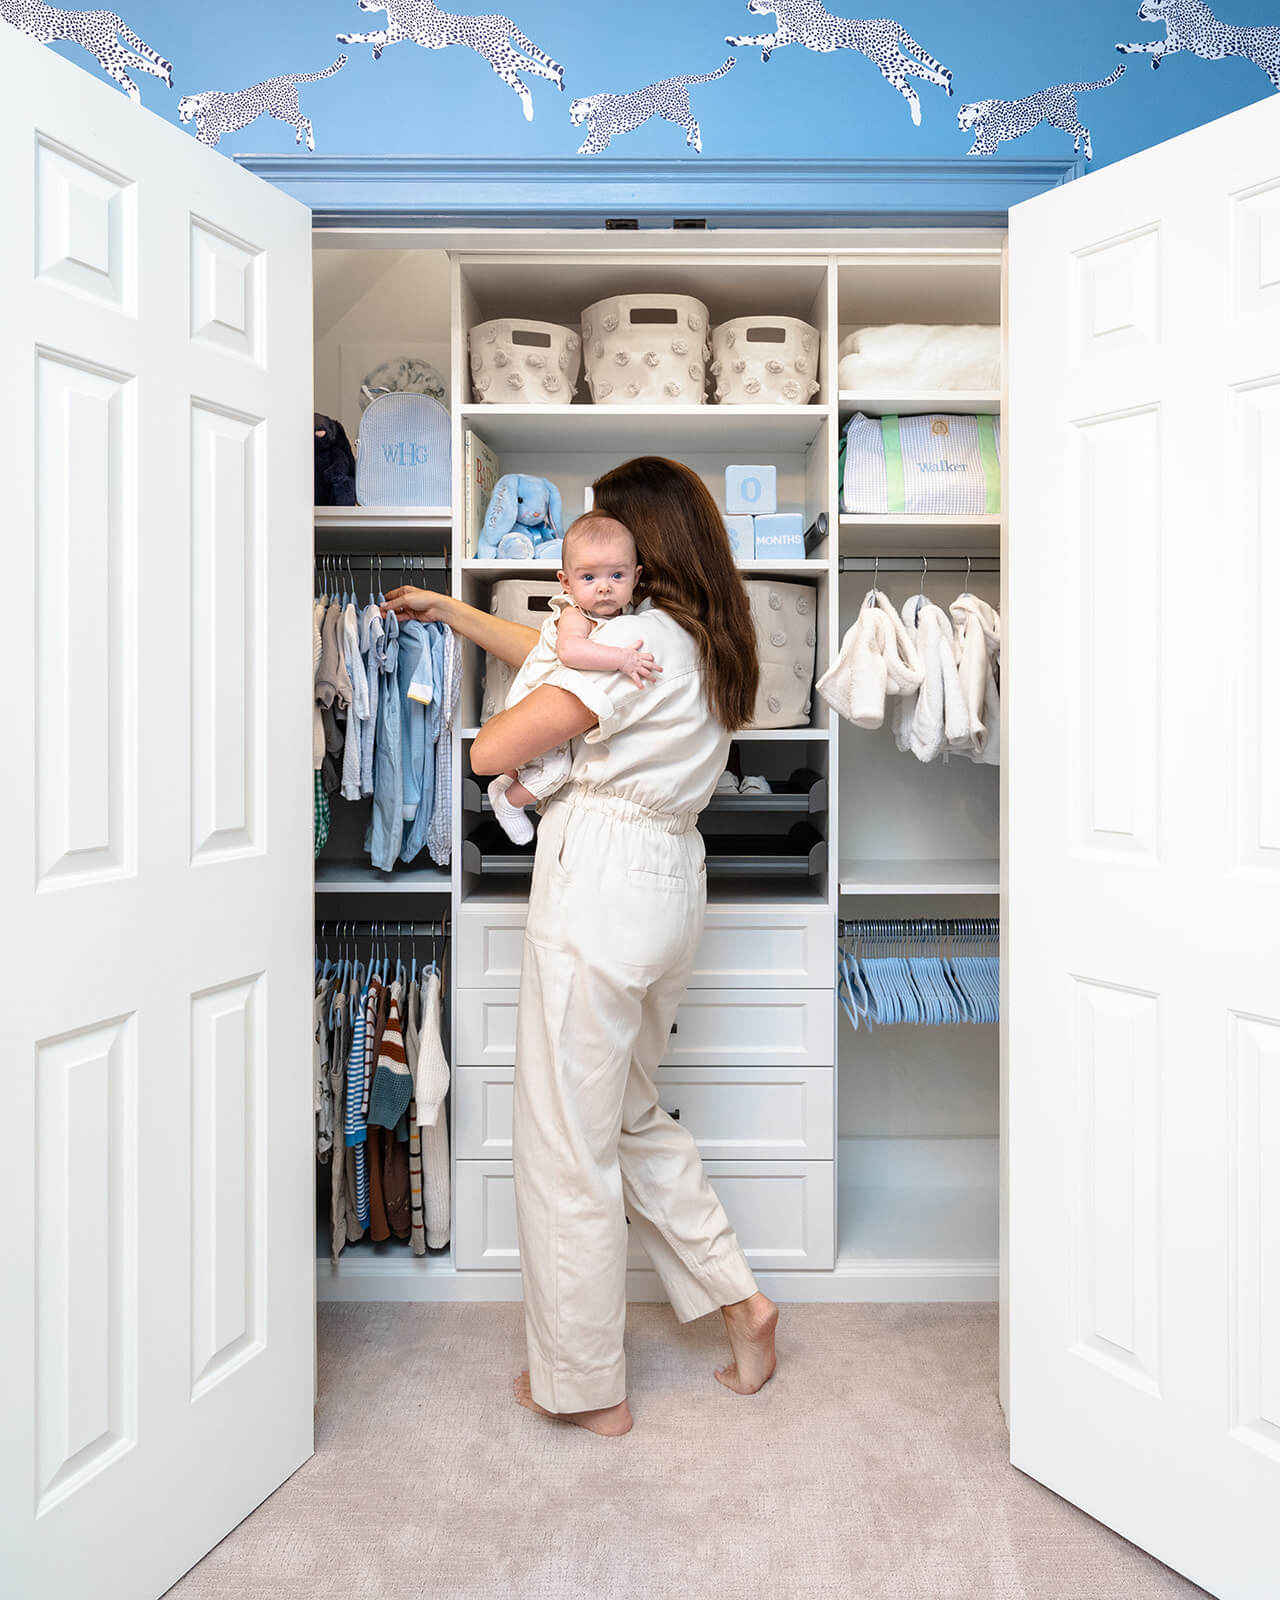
418 827
386 823
358 711
877 658
977 628
440 831
432 1084
935 716
417 1222
371 632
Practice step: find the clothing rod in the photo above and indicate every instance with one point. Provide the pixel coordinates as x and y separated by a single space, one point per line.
382 930
364 562
920 927
915 564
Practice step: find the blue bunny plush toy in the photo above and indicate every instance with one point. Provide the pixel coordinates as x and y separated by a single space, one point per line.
523 517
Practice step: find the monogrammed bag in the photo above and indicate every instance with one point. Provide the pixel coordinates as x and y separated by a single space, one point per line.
930 465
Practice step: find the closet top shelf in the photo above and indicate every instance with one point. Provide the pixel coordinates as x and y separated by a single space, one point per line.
951 402
658 429
898 534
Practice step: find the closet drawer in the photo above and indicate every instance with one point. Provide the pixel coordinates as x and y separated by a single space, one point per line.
782 1211
765 1113
713 1027
747 949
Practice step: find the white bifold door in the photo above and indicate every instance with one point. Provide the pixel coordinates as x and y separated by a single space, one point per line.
1143 938
158 1250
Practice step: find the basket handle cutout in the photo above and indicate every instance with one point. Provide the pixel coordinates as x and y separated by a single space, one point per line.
641 314
766 336
531 336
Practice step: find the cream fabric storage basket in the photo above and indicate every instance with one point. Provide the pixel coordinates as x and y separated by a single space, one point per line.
785 616
765 361
517 600
518 362
646 350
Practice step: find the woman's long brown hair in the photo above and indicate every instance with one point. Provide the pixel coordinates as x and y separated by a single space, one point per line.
689 573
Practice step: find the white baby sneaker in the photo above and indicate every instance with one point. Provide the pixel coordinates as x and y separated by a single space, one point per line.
754 785
726 783
511 819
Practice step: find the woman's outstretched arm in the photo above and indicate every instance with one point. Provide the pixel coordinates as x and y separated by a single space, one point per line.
548 716
509 641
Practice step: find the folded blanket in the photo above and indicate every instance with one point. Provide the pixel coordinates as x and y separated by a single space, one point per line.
877 658
910 355
936 716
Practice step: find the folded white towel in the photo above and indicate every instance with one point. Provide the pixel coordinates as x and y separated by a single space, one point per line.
977 631
876 659
936 717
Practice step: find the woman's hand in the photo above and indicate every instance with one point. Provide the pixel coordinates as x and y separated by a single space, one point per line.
417 605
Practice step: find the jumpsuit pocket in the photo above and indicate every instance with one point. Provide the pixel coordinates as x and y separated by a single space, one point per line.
645 879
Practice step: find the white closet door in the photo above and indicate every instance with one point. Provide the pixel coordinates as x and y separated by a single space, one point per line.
1143 685
158 1245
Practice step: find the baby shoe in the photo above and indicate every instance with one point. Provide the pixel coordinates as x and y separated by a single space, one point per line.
754 785
726 783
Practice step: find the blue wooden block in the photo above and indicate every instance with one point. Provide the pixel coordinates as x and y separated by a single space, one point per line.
742 537
780 537
750 490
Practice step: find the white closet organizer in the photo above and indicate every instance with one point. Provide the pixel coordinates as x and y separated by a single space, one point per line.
852 1166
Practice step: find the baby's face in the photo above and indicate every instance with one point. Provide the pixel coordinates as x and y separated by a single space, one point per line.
601 573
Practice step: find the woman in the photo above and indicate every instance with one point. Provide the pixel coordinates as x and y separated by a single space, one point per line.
615 914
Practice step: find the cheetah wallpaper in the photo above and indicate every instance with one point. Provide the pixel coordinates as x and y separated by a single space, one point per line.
664 79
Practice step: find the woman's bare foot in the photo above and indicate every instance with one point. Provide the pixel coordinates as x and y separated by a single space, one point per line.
750 1325
609 1422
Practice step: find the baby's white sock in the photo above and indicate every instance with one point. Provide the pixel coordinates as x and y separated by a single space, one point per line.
511 819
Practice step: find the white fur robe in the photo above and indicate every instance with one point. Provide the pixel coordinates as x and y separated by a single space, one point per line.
936 717
977 632
877 658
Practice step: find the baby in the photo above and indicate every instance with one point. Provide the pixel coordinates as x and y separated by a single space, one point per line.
599 576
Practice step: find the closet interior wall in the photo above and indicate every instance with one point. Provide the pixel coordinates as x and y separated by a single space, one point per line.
853 1165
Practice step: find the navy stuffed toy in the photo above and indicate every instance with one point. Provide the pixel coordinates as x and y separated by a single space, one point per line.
335 464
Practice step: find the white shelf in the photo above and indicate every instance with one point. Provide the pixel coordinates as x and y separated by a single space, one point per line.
951 402
786 569
919 877
660 430
353 877
765 734
893 1223
547 569
404 519
868 533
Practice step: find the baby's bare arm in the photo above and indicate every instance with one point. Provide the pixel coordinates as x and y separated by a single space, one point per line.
576 648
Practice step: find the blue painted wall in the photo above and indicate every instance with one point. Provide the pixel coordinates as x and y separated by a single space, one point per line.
801 103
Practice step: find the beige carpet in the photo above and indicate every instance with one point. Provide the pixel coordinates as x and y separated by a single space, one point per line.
873 1467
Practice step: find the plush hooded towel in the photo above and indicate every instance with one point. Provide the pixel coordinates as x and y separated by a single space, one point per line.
877 658
977 630
936 717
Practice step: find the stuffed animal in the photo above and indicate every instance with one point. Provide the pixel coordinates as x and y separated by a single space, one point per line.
523 520
335 464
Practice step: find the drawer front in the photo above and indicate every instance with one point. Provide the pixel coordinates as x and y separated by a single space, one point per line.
713 1028
765 1113
739 949
782 1211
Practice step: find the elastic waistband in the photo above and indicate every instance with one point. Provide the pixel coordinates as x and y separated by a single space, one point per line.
588 798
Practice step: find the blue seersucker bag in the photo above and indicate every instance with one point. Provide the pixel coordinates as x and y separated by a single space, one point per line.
402 454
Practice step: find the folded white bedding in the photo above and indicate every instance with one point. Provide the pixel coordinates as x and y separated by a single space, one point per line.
910 355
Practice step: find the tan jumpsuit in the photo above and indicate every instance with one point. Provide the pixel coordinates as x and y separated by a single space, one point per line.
615 914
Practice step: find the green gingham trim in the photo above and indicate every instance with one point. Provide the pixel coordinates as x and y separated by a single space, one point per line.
895 491
990 462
